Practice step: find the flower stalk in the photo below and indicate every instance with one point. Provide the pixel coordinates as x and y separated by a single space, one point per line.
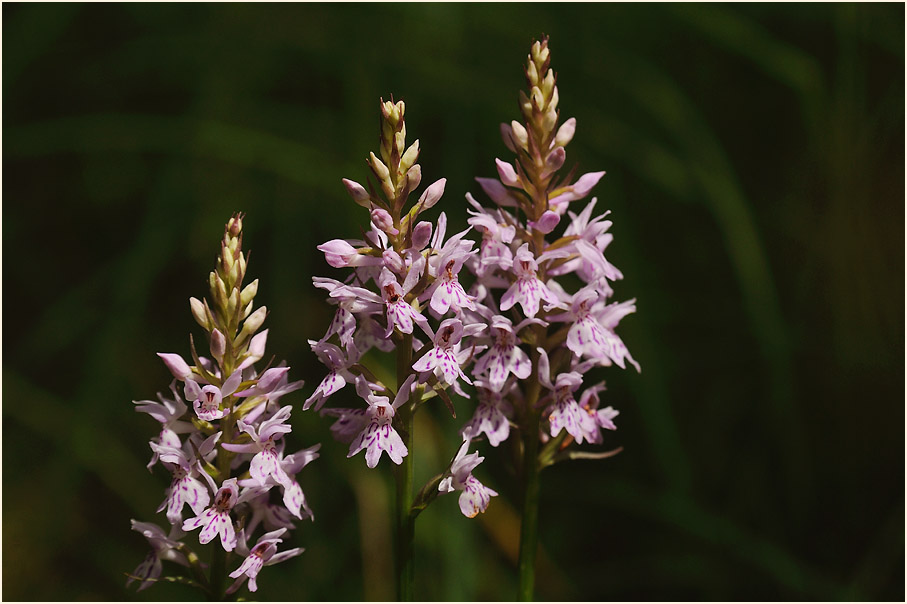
405 521
404 283
235 420
567 334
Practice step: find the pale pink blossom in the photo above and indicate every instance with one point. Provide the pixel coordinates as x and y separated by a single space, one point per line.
207 399
475 496
264 553
379 435
216 520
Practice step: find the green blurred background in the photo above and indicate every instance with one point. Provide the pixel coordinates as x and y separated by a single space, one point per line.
755 159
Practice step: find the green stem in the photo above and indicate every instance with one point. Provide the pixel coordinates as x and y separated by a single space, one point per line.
529 520
218 573
404 521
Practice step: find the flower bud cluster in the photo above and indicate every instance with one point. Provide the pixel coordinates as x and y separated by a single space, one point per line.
542 337
403 296
221 439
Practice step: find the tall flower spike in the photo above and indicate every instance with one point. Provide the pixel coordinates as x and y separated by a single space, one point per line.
404 274
527 248
231 428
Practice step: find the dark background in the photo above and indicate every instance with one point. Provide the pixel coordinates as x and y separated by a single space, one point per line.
755 159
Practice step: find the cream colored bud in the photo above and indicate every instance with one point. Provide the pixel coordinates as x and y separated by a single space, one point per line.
532 73
233 275
548 82
219 289
198 312
550 120
535 51
538 99
390 191
255 321
565 132
525 105
410 157
520 134
401 109
554 99
232 302
247 310
378 167
248 293
400 142
387 109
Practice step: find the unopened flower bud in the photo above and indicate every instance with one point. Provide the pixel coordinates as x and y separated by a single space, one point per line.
548 82
565 132
421 234
271 378
547 222
198 312
414 177
540 51
432 194
378 167
248 293
519 134
410 157
338 252
507 174
233 302
387 110
177 366
507 137
555 98
234 225
497 191
534 51
382 219
255 320
532 73
555 160
525 105
357 192
538 99
233 275
393 261
218 345
218 288
550 119
256 349
248 309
